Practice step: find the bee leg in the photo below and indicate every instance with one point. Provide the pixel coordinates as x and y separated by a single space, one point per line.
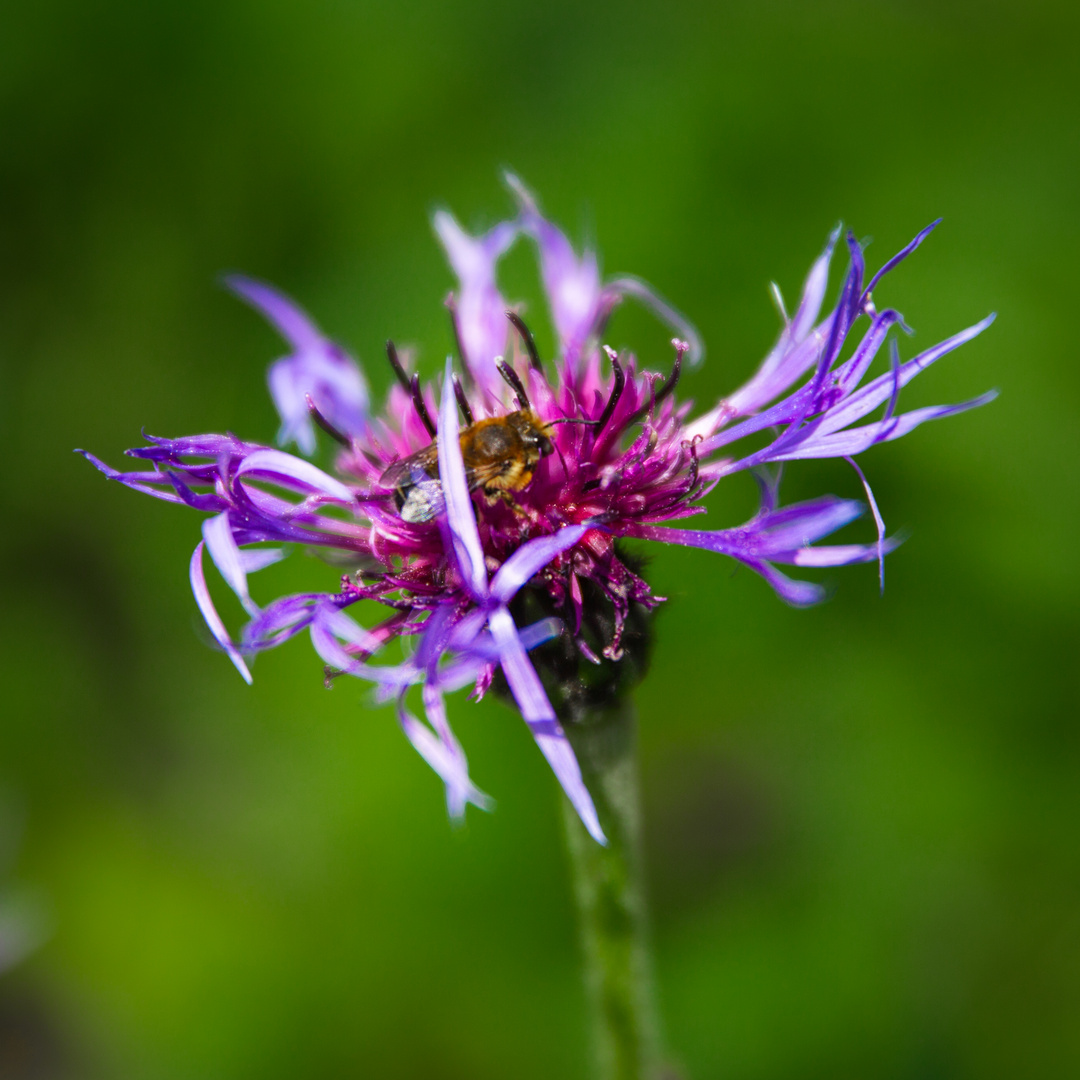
510 500
493 496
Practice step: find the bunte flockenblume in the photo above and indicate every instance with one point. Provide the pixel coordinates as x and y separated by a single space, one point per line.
629 461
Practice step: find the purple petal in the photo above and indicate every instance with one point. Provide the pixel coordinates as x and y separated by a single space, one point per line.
452 770
461 522
537 633
771 381
286 316
802 401
531 558
767 536
226 555
879 521
209 446
850 374
856 440
137 481
839 554
207 501
345 627
334 384
768 482
572 284
277 465
781 537
540 716
814 290
796 593
461 672
899 257
209 613
438 632
459 793
803 523
255 559
465 631
845 313
317 367
281 620
863 401
480 311
331 652
796 350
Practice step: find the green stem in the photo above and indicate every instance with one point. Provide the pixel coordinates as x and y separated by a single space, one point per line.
611 900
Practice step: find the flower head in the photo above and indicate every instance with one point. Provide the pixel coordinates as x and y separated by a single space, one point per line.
489 535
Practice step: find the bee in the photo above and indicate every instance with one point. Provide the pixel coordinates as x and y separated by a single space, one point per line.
500 453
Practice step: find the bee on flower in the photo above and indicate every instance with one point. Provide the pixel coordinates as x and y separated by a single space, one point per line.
486 511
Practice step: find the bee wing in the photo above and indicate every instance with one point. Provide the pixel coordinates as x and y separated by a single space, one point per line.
422 502
423 465
415 480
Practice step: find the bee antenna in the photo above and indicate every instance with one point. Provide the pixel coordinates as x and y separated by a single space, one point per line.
419 406
399 370
518 324
571 420
515 384
616 390
463 401
324 423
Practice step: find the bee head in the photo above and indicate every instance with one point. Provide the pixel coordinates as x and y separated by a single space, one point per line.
532 431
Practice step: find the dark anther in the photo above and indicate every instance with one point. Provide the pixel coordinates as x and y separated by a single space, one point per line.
692 447
681 348
399 371
670 383
451 306
526 336
616 390
324 423
463 401
565 470
419 406
611 480
515 384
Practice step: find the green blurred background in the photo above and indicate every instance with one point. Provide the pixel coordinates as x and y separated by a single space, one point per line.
864 819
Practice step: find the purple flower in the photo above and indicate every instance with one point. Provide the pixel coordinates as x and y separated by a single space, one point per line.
503 536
